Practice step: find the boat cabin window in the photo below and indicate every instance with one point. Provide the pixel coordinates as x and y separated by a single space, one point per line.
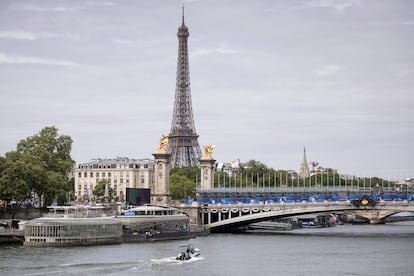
149 212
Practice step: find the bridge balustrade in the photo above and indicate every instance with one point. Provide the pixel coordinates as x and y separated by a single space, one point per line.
311 194
308 190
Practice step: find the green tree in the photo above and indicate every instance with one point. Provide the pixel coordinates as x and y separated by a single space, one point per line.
192 173
255 167
99 190
283 178
15 178
256 174
181 187
41 164
183 182
66 194
221 178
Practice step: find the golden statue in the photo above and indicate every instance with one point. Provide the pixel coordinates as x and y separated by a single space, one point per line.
208 151
163 144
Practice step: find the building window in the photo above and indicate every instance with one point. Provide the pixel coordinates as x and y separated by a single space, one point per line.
80 174
97 174
103 174
85 174
91 174
109 174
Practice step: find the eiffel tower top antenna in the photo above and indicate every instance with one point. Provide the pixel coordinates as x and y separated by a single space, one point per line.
183 15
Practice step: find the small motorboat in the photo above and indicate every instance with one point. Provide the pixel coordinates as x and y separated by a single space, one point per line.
187 252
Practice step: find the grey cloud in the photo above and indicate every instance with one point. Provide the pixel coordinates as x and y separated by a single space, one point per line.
338 5
24 35
45 9
12 59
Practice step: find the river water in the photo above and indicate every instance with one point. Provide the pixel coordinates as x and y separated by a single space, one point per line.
341 250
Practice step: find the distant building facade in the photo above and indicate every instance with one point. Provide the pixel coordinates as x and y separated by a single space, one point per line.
121 173
231 168
326 170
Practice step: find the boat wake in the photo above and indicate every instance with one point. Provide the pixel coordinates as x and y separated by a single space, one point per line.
173 260
81 268
102 268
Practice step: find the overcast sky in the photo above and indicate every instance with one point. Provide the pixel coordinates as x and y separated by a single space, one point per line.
267 78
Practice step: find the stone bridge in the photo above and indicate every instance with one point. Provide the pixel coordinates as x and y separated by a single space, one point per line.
224 217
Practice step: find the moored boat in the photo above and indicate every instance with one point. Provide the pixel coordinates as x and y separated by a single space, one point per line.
152 223
11 231
73 226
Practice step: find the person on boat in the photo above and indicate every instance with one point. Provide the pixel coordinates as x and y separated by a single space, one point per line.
184 255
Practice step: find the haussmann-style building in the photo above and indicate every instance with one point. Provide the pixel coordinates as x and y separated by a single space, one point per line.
121 173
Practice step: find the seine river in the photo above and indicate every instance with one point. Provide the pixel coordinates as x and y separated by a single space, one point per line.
341 250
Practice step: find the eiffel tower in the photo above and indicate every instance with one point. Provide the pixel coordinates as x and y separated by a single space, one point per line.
183 139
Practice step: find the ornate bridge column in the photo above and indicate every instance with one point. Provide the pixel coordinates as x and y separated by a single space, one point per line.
160 192
206 166
369 209
375 216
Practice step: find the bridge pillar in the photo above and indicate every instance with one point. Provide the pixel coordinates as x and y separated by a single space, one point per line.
160 192
375 216
207 177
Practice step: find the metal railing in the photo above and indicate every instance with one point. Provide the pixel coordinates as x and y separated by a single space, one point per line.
295 191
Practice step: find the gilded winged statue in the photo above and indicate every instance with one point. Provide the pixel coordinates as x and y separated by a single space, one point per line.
208 151
163 144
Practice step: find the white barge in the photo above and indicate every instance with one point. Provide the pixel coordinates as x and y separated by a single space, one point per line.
152 223
67 226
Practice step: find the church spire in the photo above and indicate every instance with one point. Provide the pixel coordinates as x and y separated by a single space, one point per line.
304 169
304 157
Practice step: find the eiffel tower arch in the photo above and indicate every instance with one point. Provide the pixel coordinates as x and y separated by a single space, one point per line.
183 140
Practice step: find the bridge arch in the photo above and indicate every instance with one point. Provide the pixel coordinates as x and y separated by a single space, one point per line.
239 215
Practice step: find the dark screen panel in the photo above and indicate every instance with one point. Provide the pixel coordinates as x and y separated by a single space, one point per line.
137 196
